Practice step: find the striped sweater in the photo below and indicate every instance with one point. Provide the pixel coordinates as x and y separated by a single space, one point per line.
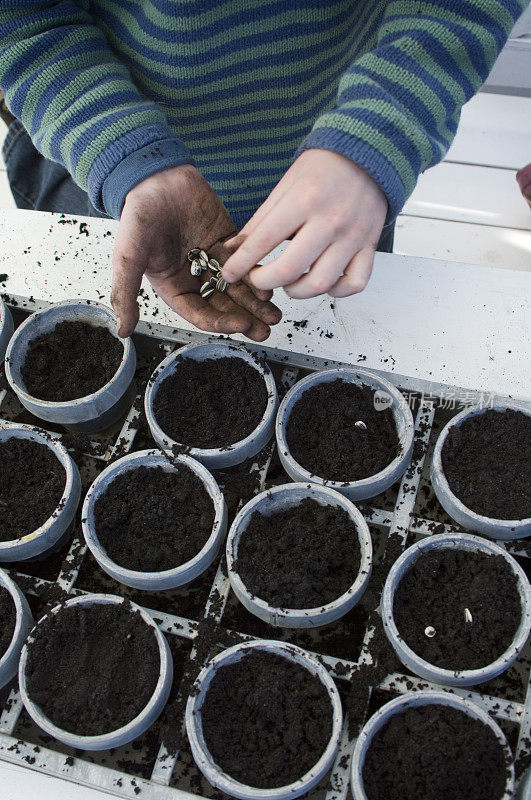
117 90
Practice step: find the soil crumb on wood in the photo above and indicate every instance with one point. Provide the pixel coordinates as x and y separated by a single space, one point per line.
304 557
72 361
8 618
437 591
487 463
212 403
150 519
323 437
434 753
32 482
266 721
93 669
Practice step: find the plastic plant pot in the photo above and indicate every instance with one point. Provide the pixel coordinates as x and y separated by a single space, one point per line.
274 501
205 762
504 529
372 484
24 623
412 700
89 414
170 578
57 525
214 458
6 328
140 723
446 677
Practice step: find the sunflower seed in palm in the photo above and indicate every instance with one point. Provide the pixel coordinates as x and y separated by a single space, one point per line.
205 287
207 293
214 265
221 284
196 268
193 253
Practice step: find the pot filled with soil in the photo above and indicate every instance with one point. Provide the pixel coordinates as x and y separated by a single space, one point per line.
346 429
68 366
432 746
264 720
299 556
457 609
152 522
480 470
6 328
95 672
215 401
16 621
40 489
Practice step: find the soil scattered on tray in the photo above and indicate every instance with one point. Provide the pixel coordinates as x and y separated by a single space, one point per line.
32 482
304 557
323 437
487 463
212 403
8 619
438 591
434 753
150 519
266 720
92 669
72 361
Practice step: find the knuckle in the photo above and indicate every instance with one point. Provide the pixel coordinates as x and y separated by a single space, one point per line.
336 222
355 285
311 196
318 283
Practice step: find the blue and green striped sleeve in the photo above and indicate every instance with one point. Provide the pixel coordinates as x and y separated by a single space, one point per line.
398 106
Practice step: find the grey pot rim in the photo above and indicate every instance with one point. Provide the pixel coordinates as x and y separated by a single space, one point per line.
449 676
436 467
64 404
3 314
364 539
8 583
414 699
166 368
99 552
41 436
59 733
223 780
317 377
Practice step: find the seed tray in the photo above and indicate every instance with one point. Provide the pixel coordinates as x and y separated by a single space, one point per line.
205 617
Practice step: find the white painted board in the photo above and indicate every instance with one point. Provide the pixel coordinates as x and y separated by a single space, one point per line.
464 193
458 241
438 320
495 131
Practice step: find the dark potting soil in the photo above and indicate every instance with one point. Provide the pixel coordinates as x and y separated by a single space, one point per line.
436 592
323 438
487 463
32 482
212 403
150 520
92 669
434 753
300 558
266 721
72 361
8 619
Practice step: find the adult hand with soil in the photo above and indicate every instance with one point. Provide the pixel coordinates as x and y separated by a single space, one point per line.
163 217
335 212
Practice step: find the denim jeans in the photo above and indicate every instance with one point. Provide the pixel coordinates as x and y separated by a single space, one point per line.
42 185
